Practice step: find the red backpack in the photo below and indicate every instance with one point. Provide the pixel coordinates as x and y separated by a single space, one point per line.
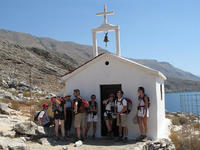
129 105
85 103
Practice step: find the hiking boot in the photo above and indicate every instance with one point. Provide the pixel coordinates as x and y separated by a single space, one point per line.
56 138
109 134
62 138
76 139
145 138
140 138
119 139
93 136
125 139
83 138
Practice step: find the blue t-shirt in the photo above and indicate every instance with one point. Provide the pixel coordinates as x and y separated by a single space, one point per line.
68 104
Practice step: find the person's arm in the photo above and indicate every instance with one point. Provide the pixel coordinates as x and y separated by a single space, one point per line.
76 107
40 117
39 121
96 110
124 107
123 110
105 101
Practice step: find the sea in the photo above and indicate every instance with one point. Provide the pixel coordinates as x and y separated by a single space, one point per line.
172 101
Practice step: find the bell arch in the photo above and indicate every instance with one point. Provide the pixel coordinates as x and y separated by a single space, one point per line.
105 27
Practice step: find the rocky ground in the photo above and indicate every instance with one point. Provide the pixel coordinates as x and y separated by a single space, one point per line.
21 91
185 130
18 133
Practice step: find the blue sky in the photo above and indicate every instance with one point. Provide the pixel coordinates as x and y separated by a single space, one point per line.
166 30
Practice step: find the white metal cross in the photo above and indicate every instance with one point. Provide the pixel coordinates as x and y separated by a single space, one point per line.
105 13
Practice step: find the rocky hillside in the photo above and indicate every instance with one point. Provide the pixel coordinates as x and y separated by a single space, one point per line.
45 66
169 70
78 52
50 58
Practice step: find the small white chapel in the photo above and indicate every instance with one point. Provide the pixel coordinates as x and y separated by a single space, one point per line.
107 72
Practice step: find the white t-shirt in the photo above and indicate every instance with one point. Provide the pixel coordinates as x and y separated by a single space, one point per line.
41 114
44 117
108 107
120 103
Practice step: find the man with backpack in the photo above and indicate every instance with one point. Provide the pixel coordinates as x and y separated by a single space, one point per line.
43 116
92 115
121 109
80 108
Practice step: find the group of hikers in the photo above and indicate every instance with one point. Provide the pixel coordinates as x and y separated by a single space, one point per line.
84 114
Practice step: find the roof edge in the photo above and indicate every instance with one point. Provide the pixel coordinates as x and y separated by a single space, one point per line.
143 67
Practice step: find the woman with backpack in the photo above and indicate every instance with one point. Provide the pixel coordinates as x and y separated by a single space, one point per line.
58 109
143 114
109 111
92 115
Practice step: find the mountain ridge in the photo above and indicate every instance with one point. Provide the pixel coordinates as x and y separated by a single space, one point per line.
72 55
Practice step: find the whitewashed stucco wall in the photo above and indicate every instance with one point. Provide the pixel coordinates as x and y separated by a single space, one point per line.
117 72
162 122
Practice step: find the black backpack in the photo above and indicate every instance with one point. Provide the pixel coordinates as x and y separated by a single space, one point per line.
147 98
36 116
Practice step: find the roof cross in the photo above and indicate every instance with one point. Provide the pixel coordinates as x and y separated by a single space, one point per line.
105 13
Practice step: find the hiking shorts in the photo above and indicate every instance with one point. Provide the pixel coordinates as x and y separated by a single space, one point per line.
142 112
122 120
92 118
58 115
80 120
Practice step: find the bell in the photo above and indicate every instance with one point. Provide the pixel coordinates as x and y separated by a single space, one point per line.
106 39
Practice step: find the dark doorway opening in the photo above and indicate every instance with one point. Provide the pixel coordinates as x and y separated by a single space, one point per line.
105 91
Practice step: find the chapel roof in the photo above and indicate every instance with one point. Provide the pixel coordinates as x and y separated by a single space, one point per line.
139 66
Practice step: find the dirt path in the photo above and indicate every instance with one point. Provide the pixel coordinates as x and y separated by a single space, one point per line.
97 144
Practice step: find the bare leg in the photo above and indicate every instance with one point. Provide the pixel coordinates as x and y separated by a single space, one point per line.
108 125
83 131
94 128
56 126
83 128
120 130
140 124
125 131
146 125
78 132
88 128
110 122
62 127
